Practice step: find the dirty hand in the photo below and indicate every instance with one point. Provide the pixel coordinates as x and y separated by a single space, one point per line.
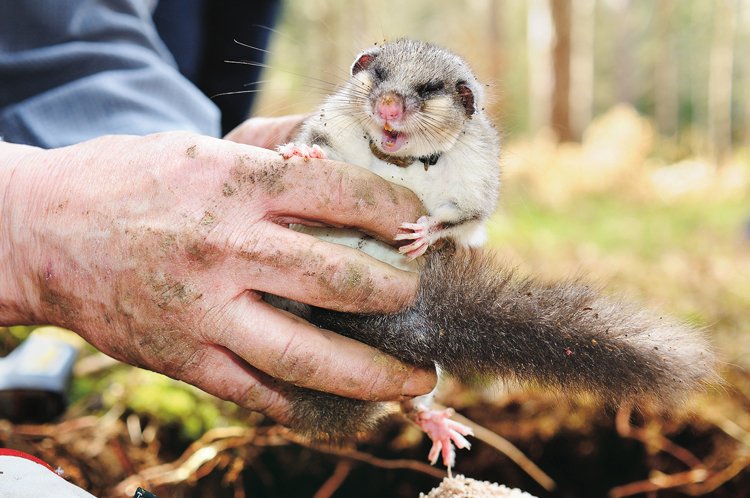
157 249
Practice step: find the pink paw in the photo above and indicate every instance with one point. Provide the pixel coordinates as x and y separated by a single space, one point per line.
444 432
420 233
301 150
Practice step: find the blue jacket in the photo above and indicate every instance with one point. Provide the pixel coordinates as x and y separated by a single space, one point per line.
71 70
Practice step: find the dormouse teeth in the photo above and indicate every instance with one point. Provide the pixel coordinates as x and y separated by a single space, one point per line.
388 127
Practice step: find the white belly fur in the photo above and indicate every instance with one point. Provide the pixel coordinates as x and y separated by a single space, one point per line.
372 247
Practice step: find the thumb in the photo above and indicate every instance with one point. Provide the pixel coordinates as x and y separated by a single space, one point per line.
226 376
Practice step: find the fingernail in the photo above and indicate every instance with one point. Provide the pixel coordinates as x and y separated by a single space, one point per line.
419 382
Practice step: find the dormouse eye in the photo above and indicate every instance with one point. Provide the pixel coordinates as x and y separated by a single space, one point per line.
380 73
429 88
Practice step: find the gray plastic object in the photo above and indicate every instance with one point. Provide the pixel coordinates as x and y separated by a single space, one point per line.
34 379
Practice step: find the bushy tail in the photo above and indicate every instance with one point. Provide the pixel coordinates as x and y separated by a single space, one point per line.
476 319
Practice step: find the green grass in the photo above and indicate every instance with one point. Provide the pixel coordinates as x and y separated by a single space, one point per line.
690 259
616 225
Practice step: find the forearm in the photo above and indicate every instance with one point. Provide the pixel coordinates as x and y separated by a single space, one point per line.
14 306
40 227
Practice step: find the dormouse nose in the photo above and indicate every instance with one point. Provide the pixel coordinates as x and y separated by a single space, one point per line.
390 107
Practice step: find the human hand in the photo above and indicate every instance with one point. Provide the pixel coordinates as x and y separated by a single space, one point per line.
267 132
157 249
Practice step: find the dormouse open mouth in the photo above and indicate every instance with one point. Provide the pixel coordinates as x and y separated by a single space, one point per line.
392 140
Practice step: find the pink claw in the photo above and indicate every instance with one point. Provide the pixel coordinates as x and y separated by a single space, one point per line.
301 150
419 232
415 249
415 227
444 433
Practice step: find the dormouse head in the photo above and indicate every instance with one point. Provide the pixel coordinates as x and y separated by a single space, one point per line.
417 97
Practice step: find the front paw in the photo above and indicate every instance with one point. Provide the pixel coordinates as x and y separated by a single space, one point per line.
304 151
421 233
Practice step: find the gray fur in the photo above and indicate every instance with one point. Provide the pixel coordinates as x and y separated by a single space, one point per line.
328 417
475 319
461 190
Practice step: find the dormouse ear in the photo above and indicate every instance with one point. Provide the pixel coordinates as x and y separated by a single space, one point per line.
466 96
364 60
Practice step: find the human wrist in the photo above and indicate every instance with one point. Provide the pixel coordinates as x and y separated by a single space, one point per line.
15 163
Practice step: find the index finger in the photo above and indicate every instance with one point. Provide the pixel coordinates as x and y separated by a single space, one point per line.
343 195
303 268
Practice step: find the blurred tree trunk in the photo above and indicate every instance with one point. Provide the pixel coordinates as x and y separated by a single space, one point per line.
495 51
699 50
720 81
539 39
624 43
560 119
582 65
744 15
666 91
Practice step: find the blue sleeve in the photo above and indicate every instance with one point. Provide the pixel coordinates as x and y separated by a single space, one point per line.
71 70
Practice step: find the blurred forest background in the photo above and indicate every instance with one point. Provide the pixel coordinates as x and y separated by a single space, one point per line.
626 128
550 64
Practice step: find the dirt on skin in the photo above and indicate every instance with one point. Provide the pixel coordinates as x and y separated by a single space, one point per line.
269 178
58 306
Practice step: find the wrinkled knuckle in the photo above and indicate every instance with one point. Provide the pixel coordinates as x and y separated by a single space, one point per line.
166 350
256 397
364 295
339 187
187 365
352 283
373 388
295 364
214 324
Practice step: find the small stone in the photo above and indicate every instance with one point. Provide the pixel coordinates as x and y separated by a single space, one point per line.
459 486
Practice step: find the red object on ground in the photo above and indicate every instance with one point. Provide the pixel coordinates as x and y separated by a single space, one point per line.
21 454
